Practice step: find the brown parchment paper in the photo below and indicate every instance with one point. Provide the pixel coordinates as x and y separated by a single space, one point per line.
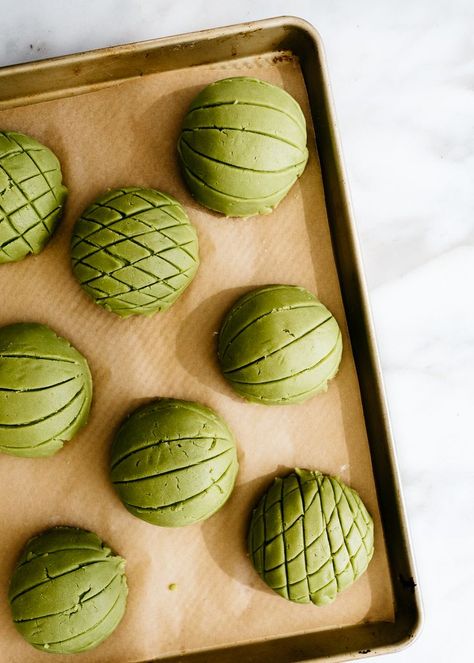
125 135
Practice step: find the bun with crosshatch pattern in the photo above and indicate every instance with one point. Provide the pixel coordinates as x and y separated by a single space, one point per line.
134 251
32 195
310 537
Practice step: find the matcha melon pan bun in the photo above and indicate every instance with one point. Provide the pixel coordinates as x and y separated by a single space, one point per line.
68 591
279 345
134 251
174 462
45 390
242 146
310 537
32 195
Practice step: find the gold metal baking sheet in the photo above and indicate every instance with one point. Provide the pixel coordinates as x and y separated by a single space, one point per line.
113 118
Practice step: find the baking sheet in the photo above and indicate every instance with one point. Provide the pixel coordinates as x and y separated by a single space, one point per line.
125 135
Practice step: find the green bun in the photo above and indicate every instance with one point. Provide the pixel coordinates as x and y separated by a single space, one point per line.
242 146
134 251
32 195
45 390
310 537
174 462
68 592
278 344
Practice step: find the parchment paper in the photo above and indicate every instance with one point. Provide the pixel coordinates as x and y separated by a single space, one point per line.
126 135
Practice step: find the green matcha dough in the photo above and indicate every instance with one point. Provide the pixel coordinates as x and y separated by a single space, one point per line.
310 537
242 146
45 390
174 462
278 344
134 251
68 592
32 195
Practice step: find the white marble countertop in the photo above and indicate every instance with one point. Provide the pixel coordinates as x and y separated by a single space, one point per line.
402 76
